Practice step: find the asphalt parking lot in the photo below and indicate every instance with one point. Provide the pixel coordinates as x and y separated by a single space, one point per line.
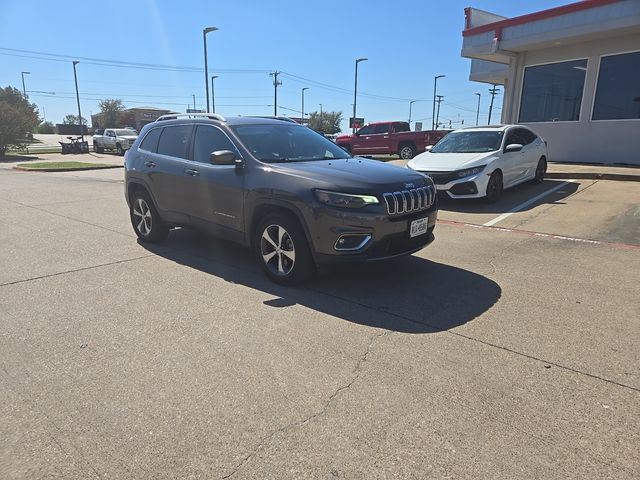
506 349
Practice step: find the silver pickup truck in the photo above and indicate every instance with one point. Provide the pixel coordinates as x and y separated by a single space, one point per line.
118 139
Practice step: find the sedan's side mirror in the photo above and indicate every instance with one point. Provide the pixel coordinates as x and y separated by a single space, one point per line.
513 147
225 157
428 147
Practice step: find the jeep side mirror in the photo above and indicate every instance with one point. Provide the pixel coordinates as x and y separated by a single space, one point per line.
225 157
513 147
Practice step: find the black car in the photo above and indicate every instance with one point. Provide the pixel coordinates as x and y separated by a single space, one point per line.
297 199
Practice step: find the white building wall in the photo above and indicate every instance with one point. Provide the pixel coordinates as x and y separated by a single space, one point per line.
605 141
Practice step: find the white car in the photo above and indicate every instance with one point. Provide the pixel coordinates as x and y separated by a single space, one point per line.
480 162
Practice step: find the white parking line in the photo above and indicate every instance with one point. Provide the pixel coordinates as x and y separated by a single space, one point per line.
517 208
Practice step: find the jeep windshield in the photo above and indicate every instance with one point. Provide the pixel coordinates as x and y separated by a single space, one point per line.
275 143
469 142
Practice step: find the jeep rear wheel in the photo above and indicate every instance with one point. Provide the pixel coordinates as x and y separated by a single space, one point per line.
145 220
282 250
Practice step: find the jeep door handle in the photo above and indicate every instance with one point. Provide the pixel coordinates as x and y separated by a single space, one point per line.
192 172
150 164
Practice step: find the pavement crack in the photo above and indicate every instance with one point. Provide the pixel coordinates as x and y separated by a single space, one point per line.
355 375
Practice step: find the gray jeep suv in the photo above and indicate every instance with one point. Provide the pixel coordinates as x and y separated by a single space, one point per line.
297 199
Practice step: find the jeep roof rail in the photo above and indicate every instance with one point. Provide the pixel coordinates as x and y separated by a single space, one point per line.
173 116
279 117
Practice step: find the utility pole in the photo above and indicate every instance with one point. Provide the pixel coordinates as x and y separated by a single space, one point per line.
206 66
276 84
493 91
194 102
75 77
213 95
435 87
478 109
24 90
321 123
438 101
355 91
305 88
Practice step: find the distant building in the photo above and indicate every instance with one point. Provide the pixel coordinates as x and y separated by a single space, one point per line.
571 73
132 117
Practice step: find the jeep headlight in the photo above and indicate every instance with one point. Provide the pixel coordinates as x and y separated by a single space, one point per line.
345 200
470 171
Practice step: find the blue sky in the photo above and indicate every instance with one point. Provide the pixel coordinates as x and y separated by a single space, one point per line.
407 43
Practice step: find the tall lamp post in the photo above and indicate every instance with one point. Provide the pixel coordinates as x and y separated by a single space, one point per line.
478 110
305 88
410 105
355 89
206 67
435 86
213 95
75 77
24 90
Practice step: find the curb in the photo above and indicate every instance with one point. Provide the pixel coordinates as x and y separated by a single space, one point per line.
622 177
27 169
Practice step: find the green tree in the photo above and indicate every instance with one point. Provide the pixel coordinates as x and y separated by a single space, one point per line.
73 120
46 127
110 113
18 118
328 124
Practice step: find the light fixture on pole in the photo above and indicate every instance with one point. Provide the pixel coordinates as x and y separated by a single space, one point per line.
24 90
305 88
435 86
355 90
213 95
206 67
75 77
478 110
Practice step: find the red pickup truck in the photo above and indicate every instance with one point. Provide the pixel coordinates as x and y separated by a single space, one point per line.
389 138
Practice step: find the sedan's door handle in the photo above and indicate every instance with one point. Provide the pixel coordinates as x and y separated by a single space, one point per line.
192 172
150 164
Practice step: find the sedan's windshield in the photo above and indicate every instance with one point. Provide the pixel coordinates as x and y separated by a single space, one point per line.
287 143
126 132
469 142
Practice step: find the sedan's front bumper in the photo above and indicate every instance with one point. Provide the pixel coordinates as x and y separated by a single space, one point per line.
474 186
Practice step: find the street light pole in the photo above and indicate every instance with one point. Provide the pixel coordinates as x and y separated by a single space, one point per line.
478 110
206 66
355 90
433 114
75 77
305 88
24 90
213 95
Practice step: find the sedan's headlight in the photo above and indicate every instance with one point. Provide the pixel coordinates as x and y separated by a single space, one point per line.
345 200
470 171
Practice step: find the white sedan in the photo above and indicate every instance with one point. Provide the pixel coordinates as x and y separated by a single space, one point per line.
480 162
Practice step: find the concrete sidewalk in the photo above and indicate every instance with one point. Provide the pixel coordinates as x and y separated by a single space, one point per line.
593 172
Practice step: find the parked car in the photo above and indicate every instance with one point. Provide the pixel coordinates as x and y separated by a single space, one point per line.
389 138
297 199
118 139
480 162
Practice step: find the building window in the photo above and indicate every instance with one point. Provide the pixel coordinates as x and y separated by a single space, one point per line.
618 89
553 92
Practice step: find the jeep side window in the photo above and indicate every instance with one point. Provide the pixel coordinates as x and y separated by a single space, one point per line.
150 142
174 141
210 139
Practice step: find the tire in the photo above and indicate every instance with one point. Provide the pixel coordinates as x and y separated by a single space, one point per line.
145 219
541 170
282 250
494 187
119 150
407 152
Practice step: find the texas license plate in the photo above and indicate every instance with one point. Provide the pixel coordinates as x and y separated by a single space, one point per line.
418 227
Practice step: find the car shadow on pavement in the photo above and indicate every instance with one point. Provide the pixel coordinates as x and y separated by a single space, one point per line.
513 197
410 294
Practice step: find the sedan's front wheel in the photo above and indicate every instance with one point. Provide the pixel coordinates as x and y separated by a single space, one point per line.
494 187
541 170
282 250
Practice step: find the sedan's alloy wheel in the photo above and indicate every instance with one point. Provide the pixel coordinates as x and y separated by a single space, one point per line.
277 250
142 215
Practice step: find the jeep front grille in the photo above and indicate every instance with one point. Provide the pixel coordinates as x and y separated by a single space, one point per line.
409 201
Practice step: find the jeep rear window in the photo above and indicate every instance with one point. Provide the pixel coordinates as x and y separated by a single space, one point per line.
287 143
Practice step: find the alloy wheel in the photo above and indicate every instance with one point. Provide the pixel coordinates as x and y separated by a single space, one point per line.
142 214
277 250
